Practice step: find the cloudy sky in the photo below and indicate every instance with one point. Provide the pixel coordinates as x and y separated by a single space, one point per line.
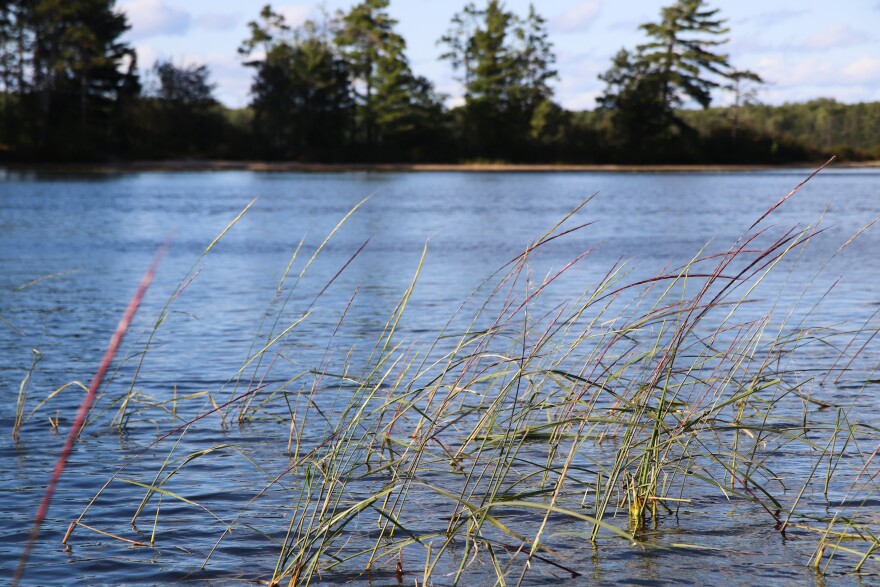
802 48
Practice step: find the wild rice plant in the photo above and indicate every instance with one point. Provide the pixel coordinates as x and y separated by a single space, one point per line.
21 401
481 455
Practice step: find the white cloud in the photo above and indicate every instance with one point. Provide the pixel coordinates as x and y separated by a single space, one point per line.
579 93
580 101
814 76
578 18
837 35
455 102
232 79
772 17
295 14
579 86
447 86
151 18
782 71
864 69
218 21
751 44
147 56
832 37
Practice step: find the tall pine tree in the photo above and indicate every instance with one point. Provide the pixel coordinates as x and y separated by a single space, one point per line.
65 71
682 51
680 61
395 108
15 52
80 69
505 64
300 94
180 115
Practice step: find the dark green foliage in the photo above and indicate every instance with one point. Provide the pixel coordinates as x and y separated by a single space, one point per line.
848 130
15 44
66 73
343 90
375 57
397 111
680 52
301 96
180 117
814 129
646 88
742 84
634 97
505 64
185 85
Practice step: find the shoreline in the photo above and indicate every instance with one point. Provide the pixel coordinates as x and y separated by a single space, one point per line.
289 166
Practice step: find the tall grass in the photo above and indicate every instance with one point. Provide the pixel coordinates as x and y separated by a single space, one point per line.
526 424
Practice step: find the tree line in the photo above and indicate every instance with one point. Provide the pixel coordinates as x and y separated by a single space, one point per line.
341 88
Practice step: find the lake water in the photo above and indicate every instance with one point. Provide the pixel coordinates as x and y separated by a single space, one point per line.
73 248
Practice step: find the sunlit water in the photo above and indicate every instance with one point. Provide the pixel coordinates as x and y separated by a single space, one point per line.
73 248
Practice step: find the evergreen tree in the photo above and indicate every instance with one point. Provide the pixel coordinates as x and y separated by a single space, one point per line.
744 94
366 37
185 85
680 52
680 61
505 64
64 72
77 52
535 60
393 104
14 49
301 95
179 114
634 96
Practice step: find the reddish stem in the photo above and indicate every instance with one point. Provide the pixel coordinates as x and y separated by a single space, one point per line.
78 423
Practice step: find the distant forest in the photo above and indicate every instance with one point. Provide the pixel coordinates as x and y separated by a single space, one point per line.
340 89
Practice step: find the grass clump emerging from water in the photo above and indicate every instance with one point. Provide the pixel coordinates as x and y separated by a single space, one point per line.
532 425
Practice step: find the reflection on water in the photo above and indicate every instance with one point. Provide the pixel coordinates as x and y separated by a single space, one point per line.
72 250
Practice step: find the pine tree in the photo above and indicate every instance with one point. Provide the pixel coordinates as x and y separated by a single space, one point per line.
505 64
301 94
742 84
187 85
180 115
680 51
634 96
367 39
535 60
77 51
392 102
14 51
65 71
645 88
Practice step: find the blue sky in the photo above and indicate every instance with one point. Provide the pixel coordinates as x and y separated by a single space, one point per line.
803 49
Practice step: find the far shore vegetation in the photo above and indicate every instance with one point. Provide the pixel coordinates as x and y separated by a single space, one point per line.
341 90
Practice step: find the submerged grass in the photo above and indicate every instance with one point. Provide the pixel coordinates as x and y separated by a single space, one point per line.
486 454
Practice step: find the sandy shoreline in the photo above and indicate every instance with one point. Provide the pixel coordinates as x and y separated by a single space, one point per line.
283 166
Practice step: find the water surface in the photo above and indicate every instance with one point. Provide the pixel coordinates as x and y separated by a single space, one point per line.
73 248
